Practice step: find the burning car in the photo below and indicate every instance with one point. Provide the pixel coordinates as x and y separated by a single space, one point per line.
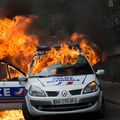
11 92
61 81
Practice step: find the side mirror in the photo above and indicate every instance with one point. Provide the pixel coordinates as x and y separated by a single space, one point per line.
100 72
22 78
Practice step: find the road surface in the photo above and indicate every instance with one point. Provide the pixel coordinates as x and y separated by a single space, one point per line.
112 113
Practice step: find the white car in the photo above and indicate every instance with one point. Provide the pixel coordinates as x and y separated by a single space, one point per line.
70 89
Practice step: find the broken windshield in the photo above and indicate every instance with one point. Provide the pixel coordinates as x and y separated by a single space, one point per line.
81 67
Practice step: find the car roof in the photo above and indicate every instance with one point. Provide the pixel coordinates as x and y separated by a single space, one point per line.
8 63
48 48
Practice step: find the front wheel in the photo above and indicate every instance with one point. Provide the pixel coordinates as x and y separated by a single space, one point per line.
26 113
101 112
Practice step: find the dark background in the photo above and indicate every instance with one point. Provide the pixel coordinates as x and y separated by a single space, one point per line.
83 16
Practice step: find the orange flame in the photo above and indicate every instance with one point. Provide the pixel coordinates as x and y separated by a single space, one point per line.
15 44
89 52
64 55
88 48
11 115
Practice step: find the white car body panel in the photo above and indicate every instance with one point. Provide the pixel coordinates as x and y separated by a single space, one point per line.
13 99
42 82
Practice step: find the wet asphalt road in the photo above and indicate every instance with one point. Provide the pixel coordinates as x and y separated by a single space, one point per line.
112 113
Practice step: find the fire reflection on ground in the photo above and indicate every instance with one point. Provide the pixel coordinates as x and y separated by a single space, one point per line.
11 115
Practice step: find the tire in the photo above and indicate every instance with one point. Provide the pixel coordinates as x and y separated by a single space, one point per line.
26 113
101 112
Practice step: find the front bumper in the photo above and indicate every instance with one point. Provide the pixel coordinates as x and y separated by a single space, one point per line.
44 106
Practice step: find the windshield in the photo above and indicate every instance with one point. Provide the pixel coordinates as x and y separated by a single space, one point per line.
81 67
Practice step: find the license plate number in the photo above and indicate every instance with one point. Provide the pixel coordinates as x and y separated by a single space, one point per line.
65 101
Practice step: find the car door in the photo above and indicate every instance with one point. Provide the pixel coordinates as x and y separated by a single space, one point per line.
11 91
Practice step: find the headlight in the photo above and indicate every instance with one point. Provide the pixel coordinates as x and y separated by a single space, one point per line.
90 88
36 91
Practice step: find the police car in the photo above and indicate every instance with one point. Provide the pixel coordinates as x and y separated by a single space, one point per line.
12 93
69 89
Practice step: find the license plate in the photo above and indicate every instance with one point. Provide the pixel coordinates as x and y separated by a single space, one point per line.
65 101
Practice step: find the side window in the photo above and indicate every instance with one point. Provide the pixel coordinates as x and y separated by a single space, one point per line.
13 73
3 71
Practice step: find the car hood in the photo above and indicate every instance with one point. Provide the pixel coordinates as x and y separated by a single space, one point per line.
65 80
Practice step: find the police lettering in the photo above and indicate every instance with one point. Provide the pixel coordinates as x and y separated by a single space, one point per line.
64 79
4 92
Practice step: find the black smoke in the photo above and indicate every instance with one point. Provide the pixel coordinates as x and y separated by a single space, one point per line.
11 8
63 17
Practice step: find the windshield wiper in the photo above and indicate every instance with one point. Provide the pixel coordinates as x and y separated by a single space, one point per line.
51 75
37 76
59 75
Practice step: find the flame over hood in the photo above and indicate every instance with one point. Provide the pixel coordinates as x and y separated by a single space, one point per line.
69 56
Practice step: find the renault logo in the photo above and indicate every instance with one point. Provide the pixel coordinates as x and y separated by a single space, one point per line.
64 93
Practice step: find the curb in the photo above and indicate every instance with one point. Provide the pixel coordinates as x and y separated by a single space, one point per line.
106 97
110 82
112 101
